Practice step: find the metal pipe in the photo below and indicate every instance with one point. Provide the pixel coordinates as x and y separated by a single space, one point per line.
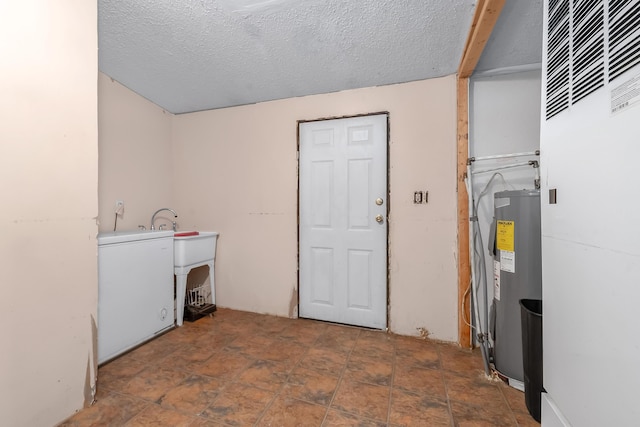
514 165
505 156
472 220
536 180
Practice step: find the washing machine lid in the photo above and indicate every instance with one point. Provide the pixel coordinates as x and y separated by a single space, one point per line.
113 237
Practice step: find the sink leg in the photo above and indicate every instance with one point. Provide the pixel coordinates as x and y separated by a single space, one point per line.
212 283
181 290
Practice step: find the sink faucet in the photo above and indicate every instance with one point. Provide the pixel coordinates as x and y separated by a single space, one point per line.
153 217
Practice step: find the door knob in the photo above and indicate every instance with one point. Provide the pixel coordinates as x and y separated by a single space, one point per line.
379 218
379 201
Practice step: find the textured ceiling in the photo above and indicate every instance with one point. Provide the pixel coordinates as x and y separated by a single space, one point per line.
190 55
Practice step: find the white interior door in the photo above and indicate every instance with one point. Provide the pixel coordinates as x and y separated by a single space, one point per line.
343 221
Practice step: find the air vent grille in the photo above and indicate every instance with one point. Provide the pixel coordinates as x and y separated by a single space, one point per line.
624 36
558 59
589 42
588 48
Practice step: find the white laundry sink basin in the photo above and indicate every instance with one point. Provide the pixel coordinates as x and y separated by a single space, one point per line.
190 248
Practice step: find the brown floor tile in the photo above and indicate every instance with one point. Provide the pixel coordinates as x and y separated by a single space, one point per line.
221 336
114 409
338 338
238 404
193 395
265 374
303 332
489 415
273 325
409 409
239 368
404 342
374 344
223 364
311 386
288 412
214 339
201 422
240 327
154 415
366 400
243 329
324 360
181 336
154 382
459 360
155 350
115 374
101 393
514 397
473 389
284 352
525 419
187 357
342 419
428 382
189 335
370 370
252 346
415 352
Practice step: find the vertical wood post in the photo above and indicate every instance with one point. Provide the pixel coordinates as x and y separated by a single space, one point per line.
484 19
464 266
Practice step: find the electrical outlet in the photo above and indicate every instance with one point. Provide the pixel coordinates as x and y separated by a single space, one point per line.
417 197
119 207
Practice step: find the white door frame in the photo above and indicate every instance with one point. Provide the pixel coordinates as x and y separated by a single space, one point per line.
387 199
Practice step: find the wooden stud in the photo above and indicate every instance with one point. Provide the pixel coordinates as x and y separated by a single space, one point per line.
484 19
464 265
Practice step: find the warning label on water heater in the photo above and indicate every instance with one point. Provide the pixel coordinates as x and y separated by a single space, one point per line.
504 236
508 261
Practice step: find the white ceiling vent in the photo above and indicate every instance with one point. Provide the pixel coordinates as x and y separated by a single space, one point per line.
589 42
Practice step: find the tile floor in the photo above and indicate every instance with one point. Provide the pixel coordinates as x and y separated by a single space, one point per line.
244 369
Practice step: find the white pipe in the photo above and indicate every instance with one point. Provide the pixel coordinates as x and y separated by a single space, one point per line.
505 156
472 260
514 165
472 252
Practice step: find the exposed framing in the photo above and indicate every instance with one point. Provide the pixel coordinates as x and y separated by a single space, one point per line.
484 19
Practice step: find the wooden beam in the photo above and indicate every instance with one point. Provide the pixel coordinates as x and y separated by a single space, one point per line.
474 24
464 265
485 17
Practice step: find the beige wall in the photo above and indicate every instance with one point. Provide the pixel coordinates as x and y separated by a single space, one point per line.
49 179
135 157
235 171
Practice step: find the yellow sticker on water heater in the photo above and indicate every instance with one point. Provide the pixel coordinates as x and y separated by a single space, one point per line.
504 236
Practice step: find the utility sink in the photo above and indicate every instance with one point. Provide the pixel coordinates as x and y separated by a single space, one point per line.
193 247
